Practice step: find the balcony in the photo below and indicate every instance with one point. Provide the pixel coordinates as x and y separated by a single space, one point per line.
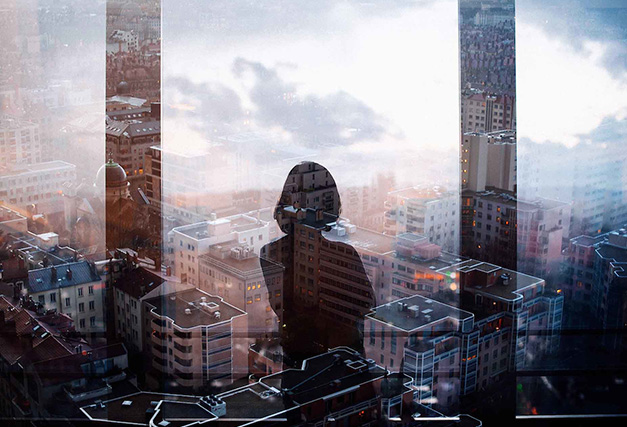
92 390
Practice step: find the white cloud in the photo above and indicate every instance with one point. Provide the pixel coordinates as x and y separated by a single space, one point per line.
563 91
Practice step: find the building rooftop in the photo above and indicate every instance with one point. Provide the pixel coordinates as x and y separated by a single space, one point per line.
412 313
422 193
238 223
517 281
186 308
37 167
362 239
588 240
324 375
119 410
40 280
138 282
242 267
7 214
255 401
61 370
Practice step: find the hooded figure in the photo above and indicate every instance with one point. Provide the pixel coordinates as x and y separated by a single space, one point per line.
326 292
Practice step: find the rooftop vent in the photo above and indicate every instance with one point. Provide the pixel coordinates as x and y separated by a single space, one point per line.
188 311
414 310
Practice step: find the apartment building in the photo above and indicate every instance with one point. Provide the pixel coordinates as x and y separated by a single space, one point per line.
595 284
450 352
489 160
338 387
41 184
397 266
312 186
20 142
196 338
75 289
129 141
482 112
129 290
191 185
244 280
42 360
425 339
527 235
431 212
188 242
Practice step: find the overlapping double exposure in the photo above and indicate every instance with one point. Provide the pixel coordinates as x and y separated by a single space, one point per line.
312 213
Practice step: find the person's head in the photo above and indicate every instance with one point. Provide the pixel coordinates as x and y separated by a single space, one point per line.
309 185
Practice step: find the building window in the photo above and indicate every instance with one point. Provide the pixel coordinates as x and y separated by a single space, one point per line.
81 323
53 297
80 292
92 321
67 302
92 305
91 289
81 307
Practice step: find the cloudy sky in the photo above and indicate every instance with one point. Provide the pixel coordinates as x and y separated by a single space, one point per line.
571 69
373 86
368 85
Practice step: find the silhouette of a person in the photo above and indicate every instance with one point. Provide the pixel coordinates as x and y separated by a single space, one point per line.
326 292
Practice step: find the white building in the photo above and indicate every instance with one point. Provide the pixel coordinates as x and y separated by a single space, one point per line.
188 242
19 142
431 212
122 41
36 184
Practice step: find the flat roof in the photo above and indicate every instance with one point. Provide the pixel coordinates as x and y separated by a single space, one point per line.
116 410
427 194
37 167
425 311
174 306
517 281
254 401
320 376
364 239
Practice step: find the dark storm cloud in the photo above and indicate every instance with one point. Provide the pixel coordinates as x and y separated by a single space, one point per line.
337 118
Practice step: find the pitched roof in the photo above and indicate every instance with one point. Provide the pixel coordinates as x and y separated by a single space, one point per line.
40 280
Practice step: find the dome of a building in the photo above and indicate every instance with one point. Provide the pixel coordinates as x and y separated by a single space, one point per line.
112 174
123 88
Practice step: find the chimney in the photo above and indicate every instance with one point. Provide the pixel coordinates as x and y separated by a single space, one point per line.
319 214
53 275
68 274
